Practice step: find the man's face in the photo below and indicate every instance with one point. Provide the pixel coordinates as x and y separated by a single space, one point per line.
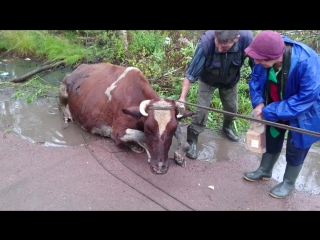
225 46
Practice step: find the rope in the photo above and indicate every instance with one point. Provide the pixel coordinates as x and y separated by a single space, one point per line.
279 125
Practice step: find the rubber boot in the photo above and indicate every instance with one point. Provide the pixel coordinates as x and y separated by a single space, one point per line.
264 172
288 184
227 129
192 139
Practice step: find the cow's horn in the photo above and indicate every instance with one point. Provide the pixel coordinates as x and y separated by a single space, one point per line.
179 115
142 107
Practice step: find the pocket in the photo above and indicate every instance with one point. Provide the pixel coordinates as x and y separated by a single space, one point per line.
215 68
235 65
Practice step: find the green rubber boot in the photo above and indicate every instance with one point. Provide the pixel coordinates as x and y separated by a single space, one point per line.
288 184
264 172
192 139
227 129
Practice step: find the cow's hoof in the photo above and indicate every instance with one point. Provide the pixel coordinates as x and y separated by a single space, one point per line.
68 119
179 159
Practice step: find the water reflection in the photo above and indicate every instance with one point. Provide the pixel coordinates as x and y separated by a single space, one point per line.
308 179
17 67
39 122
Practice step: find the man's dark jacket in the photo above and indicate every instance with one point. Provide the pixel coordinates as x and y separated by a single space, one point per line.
223 69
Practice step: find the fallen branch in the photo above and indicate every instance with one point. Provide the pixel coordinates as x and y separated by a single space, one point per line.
25 77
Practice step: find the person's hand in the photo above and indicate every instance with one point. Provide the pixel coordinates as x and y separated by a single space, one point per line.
257 113
180 105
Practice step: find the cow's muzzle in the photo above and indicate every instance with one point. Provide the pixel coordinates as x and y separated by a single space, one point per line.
160 168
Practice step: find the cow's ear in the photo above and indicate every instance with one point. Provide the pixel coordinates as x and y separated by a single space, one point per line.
132 111
186 113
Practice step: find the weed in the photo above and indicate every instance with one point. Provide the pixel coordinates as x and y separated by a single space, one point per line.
33 89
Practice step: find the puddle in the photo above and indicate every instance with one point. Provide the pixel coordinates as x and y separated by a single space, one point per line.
213 147
308 179
17 67
41 122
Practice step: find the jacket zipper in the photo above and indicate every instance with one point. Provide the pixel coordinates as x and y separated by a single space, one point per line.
224 66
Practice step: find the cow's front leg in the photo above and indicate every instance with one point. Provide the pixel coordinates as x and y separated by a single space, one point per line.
103 130
63 102
183 147
66 113
133 135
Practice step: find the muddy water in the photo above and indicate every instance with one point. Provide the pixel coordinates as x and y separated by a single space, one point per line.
16 67
38 122
41 122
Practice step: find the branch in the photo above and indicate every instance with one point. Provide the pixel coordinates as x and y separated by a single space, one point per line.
23 78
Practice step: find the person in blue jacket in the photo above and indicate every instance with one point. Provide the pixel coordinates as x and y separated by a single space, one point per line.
295 102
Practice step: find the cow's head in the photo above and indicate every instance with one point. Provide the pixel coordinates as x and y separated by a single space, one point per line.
160 123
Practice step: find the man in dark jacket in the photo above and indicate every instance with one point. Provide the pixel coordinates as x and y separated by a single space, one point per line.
217 60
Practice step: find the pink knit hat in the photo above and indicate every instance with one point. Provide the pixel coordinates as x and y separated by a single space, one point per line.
267 45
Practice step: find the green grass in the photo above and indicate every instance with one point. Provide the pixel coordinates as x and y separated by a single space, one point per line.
33 89
41 44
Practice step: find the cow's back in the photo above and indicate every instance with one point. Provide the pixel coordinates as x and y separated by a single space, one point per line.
98 92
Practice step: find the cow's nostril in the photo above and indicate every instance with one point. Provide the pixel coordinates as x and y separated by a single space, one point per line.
159 169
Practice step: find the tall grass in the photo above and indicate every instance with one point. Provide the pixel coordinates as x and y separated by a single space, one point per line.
41 44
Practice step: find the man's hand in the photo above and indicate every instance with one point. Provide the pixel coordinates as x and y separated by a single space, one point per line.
180 105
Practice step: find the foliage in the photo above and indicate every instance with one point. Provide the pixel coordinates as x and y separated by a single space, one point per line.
105 46
309 37
159 55
149 41
41 44
33 89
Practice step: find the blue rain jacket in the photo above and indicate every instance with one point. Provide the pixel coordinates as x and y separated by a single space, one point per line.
301 102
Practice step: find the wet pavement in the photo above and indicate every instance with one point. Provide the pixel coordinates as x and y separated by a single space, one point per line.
97 175
46 164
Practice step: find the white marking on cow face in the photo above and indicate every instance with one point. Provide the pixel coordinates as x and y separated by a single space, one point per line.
162 116
113 85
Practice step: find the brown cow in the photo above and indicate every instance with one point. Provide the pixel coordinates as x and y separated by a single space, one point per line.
118 102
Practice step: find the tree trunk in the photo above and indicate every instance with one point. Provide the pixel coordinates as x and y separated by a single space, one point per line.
123 34
25 77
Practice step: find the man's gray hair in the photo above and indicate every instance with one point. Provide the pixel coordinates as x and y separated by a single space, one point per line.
226 35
